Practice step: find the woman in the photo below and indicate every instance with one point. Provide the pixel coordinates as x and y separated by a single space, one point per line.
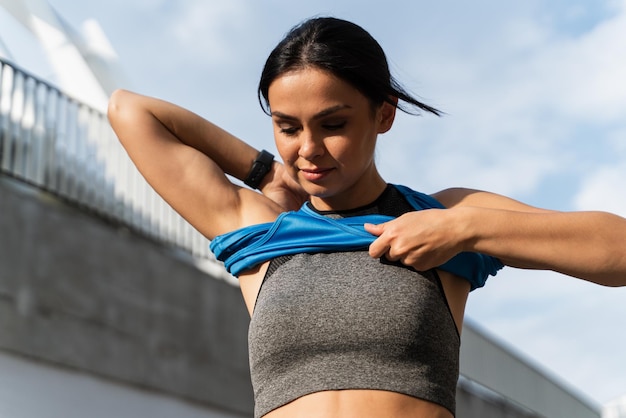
357 299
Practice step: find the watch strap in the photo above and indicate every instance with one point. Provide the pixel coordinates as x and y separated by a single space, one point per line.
260 167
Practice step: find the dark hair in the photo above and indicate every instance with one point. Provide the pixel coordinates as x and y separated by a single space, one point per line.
345 50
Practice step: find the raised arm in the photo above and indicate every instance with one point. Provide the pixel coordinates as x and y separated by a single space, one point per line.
185 158
587 245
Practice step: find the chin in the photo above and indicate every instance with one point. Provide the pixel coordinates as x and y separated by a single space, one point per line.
319 192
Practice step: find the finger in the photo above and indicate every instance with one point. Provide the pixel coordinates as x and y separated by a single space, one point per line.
374 229
392 255
378 248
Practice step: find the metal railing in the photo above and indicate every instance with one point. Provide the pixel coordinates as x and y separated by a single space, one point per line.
67 148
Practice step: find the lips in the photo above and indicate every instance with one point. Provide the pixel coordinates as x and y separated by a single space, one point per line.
315 174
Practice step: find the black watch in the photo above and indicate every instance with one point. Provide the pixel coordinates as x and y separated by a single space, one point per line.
261 166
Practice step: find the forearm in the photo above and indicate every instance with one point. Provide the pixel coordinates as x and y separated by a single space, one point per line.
588 245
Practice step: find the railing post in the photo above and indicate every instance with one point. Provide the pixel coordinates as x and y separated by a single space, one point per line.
5 111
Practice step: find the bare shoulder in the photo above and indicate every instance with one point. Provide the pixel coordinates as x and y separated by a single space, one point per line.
460 196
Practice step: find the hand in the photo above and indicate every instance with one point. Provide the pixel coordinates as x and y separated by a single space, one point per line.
283 189
423 239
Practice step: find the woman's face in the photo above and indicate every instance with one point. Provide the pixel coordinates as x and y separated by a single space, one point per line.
325 132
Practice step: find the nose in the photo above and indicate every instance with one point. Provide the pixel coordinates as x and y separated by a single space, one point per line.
310 147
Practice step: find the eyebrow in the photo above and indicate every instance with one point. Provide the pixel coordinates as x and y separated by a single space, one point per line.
318 115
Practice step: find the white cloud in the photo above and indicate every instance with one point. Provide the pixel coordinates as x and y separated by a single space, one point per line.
580 77
604 190
603 185
207 28
518 98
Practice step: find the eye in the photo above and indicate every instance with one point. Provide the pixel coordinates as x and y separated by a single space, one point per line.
334 126
287 128
288 131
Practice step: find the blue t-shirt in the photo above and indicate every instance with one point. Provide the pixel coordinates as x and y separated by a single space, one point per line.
305 231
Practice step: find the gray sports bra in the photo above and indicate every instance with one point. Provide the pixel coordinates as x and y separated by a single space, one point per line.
347 321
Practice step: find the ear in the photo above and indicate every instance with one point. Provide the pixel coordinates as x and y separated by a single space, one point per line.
386 115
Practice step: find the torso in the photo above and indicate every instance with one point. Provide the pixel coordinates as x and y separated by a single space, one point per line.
330 403
361 403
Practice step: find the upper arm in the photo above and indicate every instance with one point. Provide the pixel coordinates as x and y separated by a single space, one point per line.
191 182
459 197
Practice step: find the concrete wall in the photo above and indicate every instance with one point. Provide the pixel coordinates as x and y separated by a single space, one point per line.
37 389
83 293
487 362
474 401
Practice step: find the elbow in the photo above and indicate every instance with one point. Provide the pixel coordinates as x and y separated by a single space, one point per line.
617 279
124 114
613 278
116 103
613 282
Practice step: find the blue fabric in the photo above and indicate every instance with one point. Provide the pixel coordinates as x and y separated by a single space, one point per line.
305 231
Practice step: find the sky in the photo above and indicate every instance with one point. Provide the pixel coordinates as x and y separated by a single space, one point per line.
534 100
